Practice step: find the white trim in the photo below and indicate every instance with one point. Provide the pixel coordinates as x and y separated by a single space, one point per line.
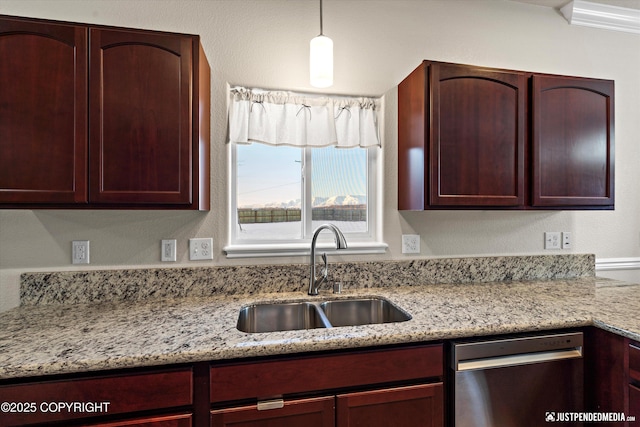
611 264
301 249
580 12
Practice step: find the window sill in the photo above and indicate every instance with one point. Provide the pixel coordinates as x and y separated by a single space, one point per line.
301 249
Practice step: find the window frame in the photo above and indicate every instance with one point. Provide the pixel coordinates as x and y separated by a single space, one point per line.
358 243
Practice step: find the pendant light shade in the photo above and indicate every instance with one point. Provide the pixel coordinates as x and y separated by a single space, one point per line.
321 59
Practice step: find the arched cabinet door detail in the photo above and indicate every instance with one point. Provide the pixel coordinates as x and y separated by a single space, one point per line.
573 142
102 117
485 138
140 104
477 136
43 117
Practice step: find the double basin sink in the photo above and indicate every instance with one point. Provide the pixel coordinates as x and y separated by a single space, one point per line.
272 317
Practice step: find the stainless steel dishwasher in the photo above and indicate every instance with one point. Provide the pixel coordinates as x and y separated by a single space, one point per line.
518 381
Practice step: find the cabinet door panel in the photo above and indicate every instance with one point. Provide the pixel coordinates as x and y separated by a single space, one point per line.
634 403
572 142
140 102
182 420
318 412
420 405
477 136
43 119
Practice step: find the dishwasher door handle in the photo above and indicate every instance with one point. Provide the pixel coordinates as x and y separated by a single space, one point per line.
518 359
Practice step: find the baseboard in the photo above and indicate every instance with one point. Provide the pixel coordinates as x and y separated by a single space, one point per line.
611 264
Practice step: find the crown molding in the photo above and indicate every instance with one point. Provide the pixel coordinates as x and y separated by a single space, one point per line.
580 12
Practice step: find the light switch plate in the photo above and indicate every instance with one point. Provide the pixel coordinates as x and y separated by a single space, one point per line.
410 243
168 250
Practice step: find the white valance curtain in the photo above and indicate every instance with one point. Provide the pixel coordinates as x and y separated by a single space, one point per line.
284 118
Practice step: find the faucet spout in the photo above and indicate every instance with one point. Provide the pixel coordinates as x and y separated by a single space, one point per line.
341 243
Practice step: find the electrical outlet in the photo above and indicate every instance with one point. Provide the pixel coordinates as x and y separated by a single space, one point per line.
552 240
567 240
80 252
410 243
200 249
168 250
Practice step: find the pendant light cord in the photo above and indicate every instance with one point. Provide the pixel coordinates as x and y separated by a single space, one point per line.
321 18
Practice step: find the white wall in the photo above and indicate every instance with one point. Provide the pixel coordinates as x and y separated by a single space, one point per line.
264 43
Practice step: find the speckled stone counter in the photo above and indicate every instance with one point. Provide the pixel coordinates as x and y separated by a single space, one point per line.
57 338
145 284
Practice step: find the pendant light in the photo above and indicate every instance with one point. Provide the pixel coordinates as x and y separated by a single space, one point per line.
321 59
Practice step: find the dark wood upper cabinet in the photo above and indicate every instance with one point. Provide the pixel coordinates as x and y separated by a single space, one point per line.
43 112
140 117
573 157
477 129
476 138
145 143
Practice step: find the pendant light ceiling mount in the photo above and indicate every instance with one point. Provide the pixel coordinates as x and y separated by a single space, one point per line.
321 59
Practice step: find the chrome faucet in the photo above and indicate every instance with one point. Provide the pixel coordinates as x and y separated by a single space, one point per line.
341 243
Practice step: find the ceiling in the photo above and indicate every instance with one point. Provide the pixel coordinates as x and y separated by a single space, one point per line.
556 4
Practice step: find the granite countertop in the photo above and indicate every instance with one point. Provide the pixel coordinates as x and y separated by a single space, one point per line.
65 338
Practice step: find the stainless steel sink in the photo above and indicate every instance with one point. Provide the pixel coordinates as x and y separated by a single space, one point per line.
362 312
271 317
280 317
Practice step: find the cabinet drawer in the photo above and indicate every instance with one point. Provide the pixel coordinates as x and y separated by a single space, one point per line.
315 412
181 420
634 362
312 373
107 395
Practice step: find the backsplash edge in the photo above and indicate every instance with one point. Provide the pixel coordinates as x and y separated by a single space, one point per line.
141 284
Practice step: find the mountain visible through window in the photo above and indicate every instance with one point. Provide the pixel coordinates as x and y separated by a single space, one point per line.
271 191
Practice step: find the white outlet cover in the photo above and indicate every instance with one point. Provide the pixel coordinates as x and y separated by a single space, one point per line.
80 252
410 243
200 249
552 240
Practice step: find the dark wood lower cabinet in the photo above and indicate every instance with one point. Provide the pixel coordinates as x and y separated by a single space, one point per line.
89 400
378 387
634 404
315 412
179 420
420 405
612 373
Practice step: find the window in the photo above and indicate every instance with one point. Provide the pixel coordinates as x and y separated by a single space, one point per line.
281 193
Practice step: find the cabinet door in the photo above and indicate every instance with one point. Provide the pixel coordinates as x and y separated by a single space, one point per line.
140 118
181 420
317 412
634 404
477 136
420 405
573 158
43 112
